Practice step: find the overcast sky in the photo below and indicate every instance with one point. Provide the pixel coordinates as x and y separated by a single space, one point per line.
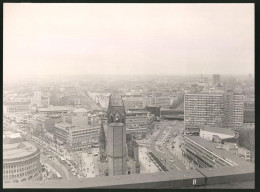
128 39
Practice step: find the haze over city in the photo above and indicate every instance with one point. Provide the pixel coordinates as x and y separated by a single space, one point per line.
129 96
128 39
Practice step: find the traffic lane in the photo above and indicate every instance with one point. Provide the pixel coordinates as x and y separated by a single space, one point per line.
55 156
170 159
165 160
164 153
153 143
177 162
165 125
55 166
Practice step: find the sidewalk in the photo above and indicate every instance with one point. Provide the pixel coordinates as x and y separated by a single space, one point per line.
147 166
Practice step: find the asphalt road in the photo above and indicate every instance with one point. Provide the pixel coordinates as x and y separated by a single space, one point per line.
164 154
61 168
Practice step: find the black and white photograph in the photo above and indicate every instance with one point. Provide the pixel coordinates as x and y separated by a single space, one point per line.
128 96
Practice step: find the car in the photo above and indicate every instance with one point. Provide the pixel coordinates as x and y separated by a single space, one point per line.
74 174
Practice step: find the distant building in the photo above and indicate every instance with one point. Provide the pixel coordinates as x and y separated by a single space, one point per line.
249 111
37 98
133 101
45 124
153 110
21 162
10 137
173 113
45 101
82 117
54 110
17 106
216 79
161 101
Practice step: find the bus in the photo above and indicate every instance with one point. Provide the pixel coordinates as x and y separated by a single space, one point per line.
59 176
62 160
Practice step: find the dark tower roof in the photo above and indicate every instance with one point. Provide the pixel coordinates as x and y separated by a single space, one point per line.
102 135
116 109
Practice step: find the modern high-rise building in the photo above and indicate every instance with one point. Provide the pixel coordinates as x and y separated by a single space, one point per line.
216 79
214 109
37 97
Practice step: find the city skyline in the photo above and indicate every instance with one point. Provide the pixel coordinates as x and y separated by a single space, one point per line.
128 96
141 39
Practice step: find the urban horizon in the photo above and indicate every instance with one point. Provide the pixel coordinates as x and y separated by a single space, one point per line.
128 96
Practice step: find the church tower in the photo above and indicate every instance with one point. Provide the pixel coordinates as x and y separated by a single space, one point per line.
116 136
102 143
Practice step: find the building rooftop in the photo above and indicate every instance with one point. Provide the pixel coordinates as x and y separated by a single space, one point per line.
136 111
219 130
232 158
17 150
12 135
80 110
104 181
42 118
17 102
56 108
116 100
64 125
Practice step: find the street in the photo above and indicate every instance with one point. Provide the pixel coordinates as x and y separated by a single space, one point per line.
160 144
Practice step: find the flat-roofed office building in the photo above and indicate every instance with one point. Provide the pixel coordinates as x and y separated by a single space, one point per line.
139 122
223 109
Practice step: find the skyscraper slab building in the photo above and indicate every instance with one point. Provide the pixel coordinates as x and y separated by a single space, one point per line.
216 79
214 109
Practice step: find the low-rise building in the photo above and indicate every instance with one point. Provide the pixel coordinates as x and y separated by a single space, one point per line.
161 101
209 154
139 122
45 123
133 101
76 136
17 106
245 153
216 134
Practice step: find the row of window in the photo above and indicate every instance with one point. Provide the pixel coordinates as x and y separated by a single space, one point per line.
32 161
21 174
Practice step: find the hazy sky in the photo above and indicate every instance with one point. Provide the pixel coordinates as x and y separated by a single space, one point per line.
128 38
